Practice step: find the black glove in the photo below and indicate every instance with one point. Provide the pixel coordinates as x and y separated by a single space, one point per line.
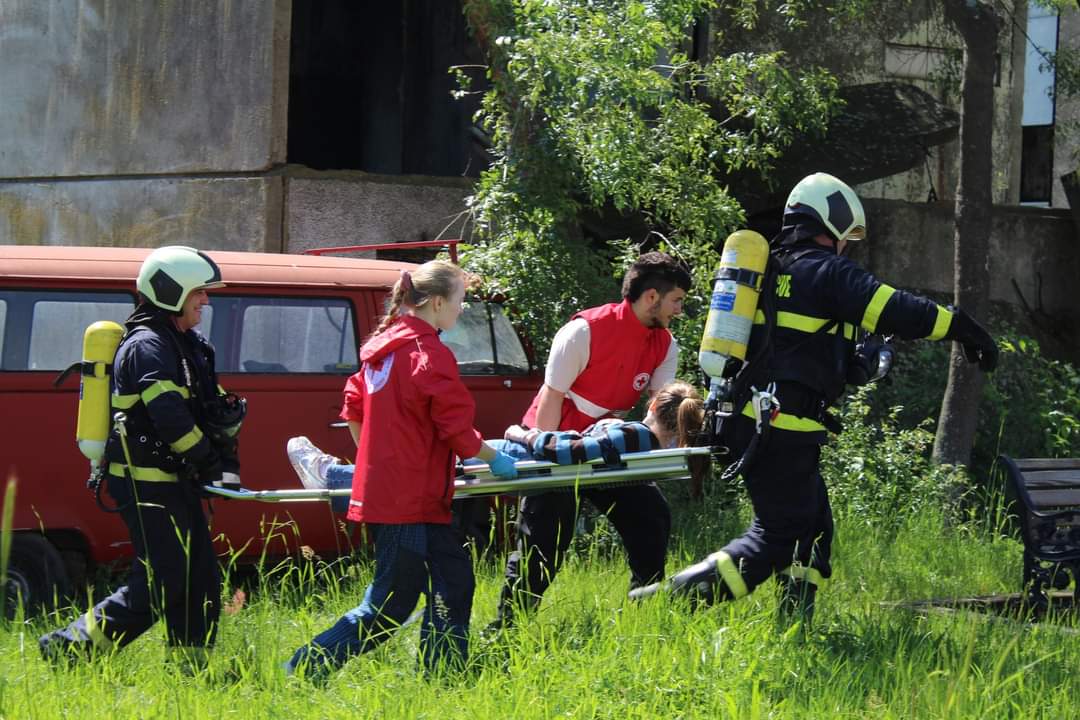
872 361
979 346
209 474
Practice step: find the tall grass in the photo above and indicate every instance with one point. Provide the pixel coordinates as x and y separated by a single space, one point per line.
589 653
7 517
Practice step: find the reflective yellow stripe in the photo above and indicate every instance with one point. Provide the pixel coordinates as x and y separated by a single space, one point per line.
124 402
727 570
941 324
785 421
187 440
801 572
93 630
142 473
803 323
160 388
875 306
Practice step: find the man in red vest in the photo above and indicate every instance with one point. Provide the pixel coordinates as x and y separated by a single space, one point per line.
600 364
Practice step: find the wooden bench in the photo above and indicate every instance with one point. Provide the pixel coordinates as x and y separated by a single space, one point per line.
1047 495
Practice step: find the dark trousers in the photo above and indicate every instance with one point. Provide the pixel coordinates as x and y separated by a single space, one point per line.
639 513
174 575
410 560
792 529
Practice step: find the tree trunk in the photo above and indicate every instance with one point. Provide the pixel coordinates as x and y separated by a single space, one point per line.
978 24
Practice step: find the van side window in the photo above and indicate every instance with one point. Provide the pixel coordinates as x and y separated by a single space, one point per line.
258 334
43 330
485 342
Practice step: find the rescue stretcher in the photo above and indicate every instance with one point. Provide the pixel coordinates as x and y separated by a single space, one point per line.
533 477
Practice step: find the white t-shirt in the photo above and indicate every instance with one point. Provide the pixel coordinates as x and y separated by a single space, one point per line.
570 354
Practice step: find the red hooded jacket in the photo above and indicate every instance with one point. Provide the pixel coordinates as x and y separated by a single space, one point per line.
415 415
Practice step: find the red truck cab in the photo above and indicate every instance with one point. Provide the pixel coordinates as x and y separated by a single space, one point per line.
286 330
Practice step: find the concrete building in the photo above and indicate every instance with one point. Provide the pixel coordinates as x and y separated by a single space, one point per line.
279 126
239 124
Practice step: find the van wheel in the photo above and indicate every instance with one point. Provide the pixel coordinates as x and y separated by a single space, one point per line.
36 577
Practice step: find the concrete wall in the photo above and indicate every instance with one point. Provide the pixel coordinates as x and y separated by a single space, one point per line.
143 123
353 208
102 87
911 246
1066 115
224 213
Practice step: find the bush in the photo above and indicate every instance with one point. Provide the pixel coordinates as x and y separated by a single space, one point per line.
879 472
1029 405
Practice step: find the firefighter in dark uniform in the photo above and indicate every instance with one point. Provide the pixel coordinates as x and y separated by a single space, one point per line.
821 299
176 433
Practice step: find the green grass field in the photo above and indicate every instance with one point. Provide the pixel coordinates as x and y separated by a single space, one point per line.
588 653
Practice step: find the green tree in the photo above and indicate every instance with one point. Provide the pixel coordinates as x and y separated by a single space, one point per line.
596 105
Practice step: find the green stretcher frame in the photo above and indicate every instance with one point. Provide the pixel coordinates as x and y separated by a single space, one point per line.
533 477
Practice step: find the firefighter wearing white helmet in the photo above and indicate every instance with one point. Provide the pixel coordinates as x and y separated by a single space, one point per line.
175 431
819 327
169 275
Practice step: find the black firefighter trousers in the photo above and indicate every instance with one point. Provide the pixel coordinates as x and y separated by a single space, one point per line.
792 529
545 527
174 576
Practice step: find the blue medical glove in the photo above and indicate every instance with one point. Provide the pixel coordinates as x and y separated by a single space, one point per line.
503 466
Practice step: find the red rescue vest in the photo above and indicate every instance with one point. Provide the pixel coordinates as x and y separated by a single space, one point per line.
623 355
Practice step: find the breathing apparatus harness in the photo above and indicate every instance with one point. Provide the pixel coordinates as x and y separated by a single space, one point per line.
215 414
747 383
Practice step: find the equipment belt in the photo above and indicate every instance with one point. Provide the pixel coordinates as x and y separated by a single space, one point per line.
145 474
785 421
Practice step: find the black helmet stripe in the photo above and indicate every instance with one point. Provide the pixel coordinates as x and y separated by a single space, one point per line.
840 214
166 290
216 276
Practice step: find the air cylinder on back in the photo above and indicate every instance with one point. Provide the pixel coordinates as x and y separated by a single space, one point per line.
99 346
736 288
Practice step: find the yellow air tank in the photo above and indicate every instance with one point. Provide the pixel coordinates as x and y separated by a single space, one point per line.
736 288
99 346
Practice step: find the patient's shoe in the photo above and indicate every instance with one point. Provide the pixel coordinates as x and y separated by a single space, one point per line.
309 462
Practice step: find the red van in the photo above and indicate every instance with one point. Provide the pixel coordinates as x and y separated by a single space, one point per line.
286 332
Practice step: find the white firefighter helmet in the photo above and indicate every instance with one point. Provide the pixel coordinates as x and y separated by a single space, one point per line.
169 274
831 202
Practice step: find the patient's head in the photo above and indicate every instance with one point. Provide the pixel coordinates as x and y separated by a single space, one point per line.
676 414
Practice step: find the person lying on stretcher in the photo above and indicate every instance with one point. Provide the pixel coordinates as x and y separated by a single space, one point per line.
674 419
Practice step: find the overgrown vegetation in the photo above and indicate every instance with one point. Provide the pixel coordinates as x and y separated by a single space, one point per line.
1030 405
597 106
589 653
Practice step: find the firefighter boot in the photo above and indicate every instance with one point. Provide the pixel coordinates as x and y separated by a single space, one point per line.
796 600
700 582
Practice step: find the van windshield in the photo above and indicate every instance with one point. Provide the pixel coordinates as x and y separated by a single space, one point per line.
485 342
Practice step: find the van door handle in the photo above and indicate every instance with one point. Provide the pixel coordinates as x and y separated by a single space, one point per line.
508 384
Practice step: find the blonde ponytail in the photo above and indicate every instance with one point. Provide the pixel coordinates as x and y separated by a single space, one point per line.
435 278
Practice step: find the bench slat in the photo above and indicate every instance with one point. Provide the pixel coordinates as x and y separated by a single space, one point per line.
1026 464
1052 479
1042 499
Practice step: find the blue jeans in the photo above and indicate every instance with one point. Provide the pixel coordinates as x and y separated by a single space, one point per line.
337 478
410 560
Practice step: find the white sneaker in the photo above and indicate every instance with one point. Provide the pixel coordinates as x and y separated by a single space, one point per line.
309 462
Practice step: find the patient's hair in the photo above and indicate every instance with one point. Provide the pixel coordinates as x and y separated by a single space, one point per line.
680 409
413 289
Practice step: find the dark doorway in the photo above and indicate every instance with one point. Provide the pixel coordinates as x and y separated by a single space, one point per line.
369 88
1037 164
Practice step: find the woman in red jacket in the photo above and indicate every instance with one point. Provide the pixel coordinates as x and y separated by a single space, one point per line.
410 415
